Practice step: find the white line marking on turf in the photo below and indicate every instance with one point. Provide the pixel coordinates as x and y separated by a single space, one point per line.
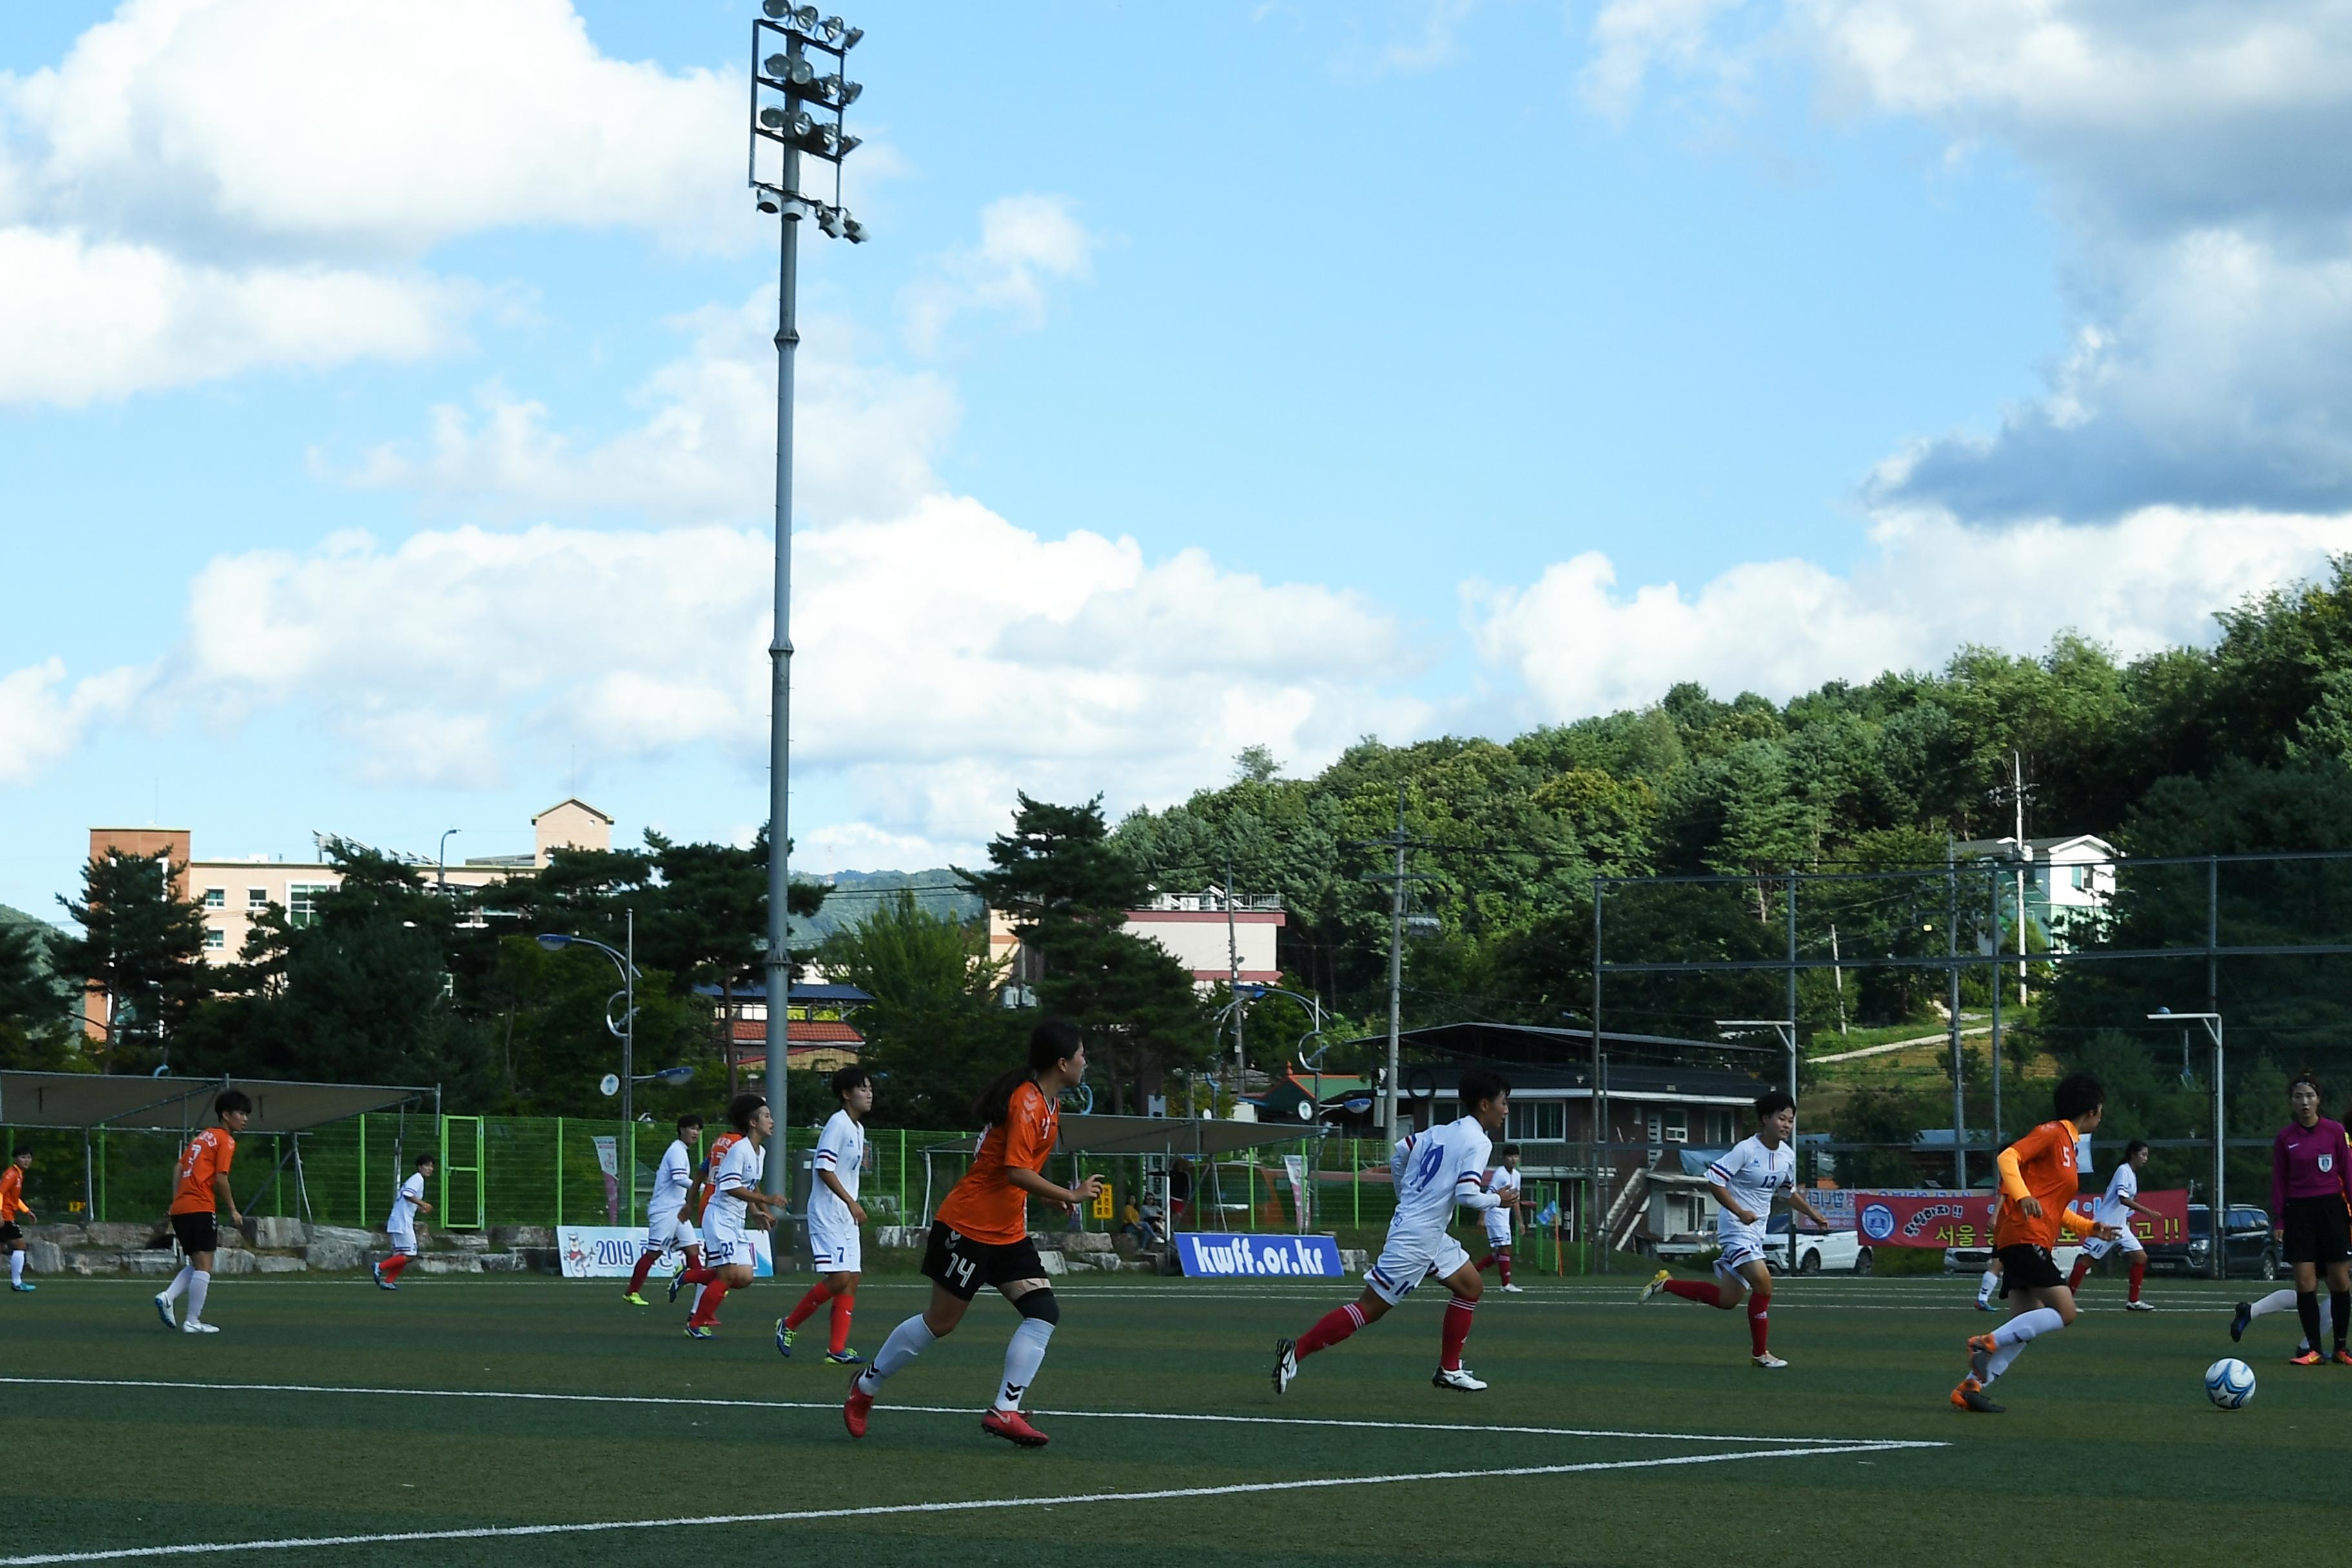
1807 1443
974 1504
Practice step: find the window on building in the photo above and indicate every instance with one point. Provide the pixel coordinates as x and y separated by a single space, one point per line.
257 898
1718 1128
215 898
1536 1121
2078 877
1678 1126
301 903
215 938
1655 1127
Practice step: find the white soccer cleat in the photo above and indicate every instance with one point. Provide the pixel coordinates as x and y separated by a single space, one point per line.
1657 1285
1286 1364
198 1326
1770 1362
2137 1307
1514 1290
163 1311
1459 1380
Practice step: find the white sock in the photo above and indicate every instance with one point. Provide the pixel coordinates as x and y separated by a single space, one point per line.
908 1341
2014 1335
188 1271
2276 1302
1022 1357
15 1268
199 1281
1988 1285
697 1302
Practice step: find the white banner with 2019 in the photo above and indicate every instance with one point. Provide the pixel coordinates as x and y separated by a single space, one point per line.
610 1252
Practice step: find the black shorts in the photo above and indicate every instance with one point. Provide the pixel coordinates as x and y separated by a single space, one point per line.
2318 1230
2028 1267
198 1232
962 1266
9 1236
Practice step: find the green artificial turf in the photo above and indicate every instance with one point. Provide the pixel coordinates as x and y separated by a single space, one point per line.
2109 1454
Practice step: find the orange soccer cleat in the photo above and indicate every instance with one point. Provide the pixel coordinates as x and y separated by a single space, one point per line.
1013 1427
853 1409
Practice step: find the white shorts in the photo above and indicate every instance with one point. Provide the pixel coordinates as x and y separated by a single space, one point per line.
665 1232
1738 1251
834 1250
2097 1248
1498 1231
723 1241
1404 1263
404 1243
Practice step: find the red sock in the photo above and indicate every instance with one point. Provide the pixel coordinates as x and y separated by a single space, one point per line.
700 1274
395 1264
2082 1267
1758 1329
1503 1265
707 1308
1331 1328
842 1305
817 1297
1696 1290
1485 1263
2138 1273
1453 1331
644 1267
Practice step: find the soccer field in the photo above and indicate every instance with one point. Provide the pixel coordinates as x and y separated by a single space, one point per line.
536 1421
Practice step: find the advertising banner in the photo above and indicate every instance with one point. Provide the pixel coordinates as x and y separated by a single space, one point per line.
1209 1255
608 1160
610 1252
1941 1219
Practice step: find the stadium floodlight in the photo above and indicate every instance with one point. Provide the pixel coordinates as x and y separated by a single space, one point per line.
783 79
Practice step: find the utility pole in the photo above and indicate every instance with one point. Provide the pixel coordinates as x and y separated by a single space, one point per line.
1399 843
1234 987
1952 1002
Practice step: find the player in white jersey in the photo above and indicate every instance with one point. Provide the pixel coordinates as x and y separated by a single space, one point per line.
1435 1172
833 1216
406 1205
728 1256
2117 1209
670 1218
1503 1181
1746 1181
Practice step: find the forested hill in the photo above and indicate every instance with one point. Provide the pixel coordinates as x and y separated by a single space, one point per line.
2240 746
852 896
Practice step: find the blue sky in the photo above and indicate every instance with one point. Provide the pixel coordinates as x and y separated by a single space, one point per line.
385 425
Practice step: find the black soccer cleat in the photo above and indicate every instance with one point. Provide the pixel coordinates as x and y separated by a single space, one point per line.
2245 1314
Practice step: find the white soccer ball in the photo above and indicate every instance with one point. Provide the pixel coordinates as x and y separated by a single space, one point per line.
2229 1382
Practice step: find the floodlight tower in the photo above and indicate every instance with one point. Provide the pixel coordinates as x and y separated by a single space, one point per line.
800 86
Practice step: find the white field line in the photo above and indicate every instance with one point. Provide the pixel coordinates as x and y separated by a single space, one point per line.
835 1404
210 1548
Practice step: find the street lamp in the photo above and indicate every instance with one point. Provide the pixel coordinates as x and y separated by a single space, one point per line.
609 1085
796 110
2219 1235
624 1029
441 879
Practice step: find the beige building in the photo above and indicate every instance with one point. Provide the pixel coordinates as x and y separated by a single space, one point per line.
234 891
1205 932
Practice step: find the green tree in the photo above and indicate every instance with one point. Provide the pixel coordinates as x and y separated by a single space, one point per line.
935 1032
36 1034
142 947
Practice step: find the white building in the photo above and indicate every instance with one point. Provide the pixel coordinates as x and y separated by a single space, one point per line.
1204 932
2070 883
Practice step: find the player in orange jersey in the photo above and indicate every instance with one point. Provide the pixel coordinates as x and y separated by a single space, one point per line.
201 1192
981 1234
12 1209
2038 1183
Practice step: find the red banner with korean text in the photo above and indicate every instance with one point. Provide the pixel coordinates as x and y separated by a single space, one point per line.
1926 1218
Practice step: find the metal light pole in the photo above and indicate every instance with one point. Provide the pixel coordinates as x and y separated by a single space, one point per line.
2220 1201
625 1030
786 86
441 878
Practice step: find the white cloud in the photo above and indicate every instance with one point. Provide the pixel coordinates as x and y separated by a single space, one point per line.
1577 645
323 126
1025 242
86 321
864 437
45 717
945 656
1633 38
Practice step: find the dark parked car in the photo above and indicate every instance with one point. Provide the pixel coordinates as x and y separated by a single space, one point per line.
2253 1253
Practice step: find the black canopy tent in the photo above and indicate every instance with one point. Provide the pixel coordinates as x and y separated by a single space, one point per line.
90 1101
1162 1137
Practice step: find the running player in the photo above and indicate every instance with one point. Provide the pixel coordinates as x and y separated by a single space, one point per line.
981 1235
2038 1180
2280 1302
2311 1184
12 1209
406 1205
1745 1182
1989 1282
1435 1172
2121 1201
727 1256
196 1203
669 1224
699 1205
834 1216
1504 1183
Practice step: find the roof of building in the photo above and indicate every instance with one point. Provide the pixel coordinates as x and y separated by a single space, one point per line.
1982 847
801 992
799 1031
574 800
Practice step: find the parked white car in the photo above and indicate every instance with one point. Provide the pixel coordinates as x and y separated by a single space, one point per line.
1833 1251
